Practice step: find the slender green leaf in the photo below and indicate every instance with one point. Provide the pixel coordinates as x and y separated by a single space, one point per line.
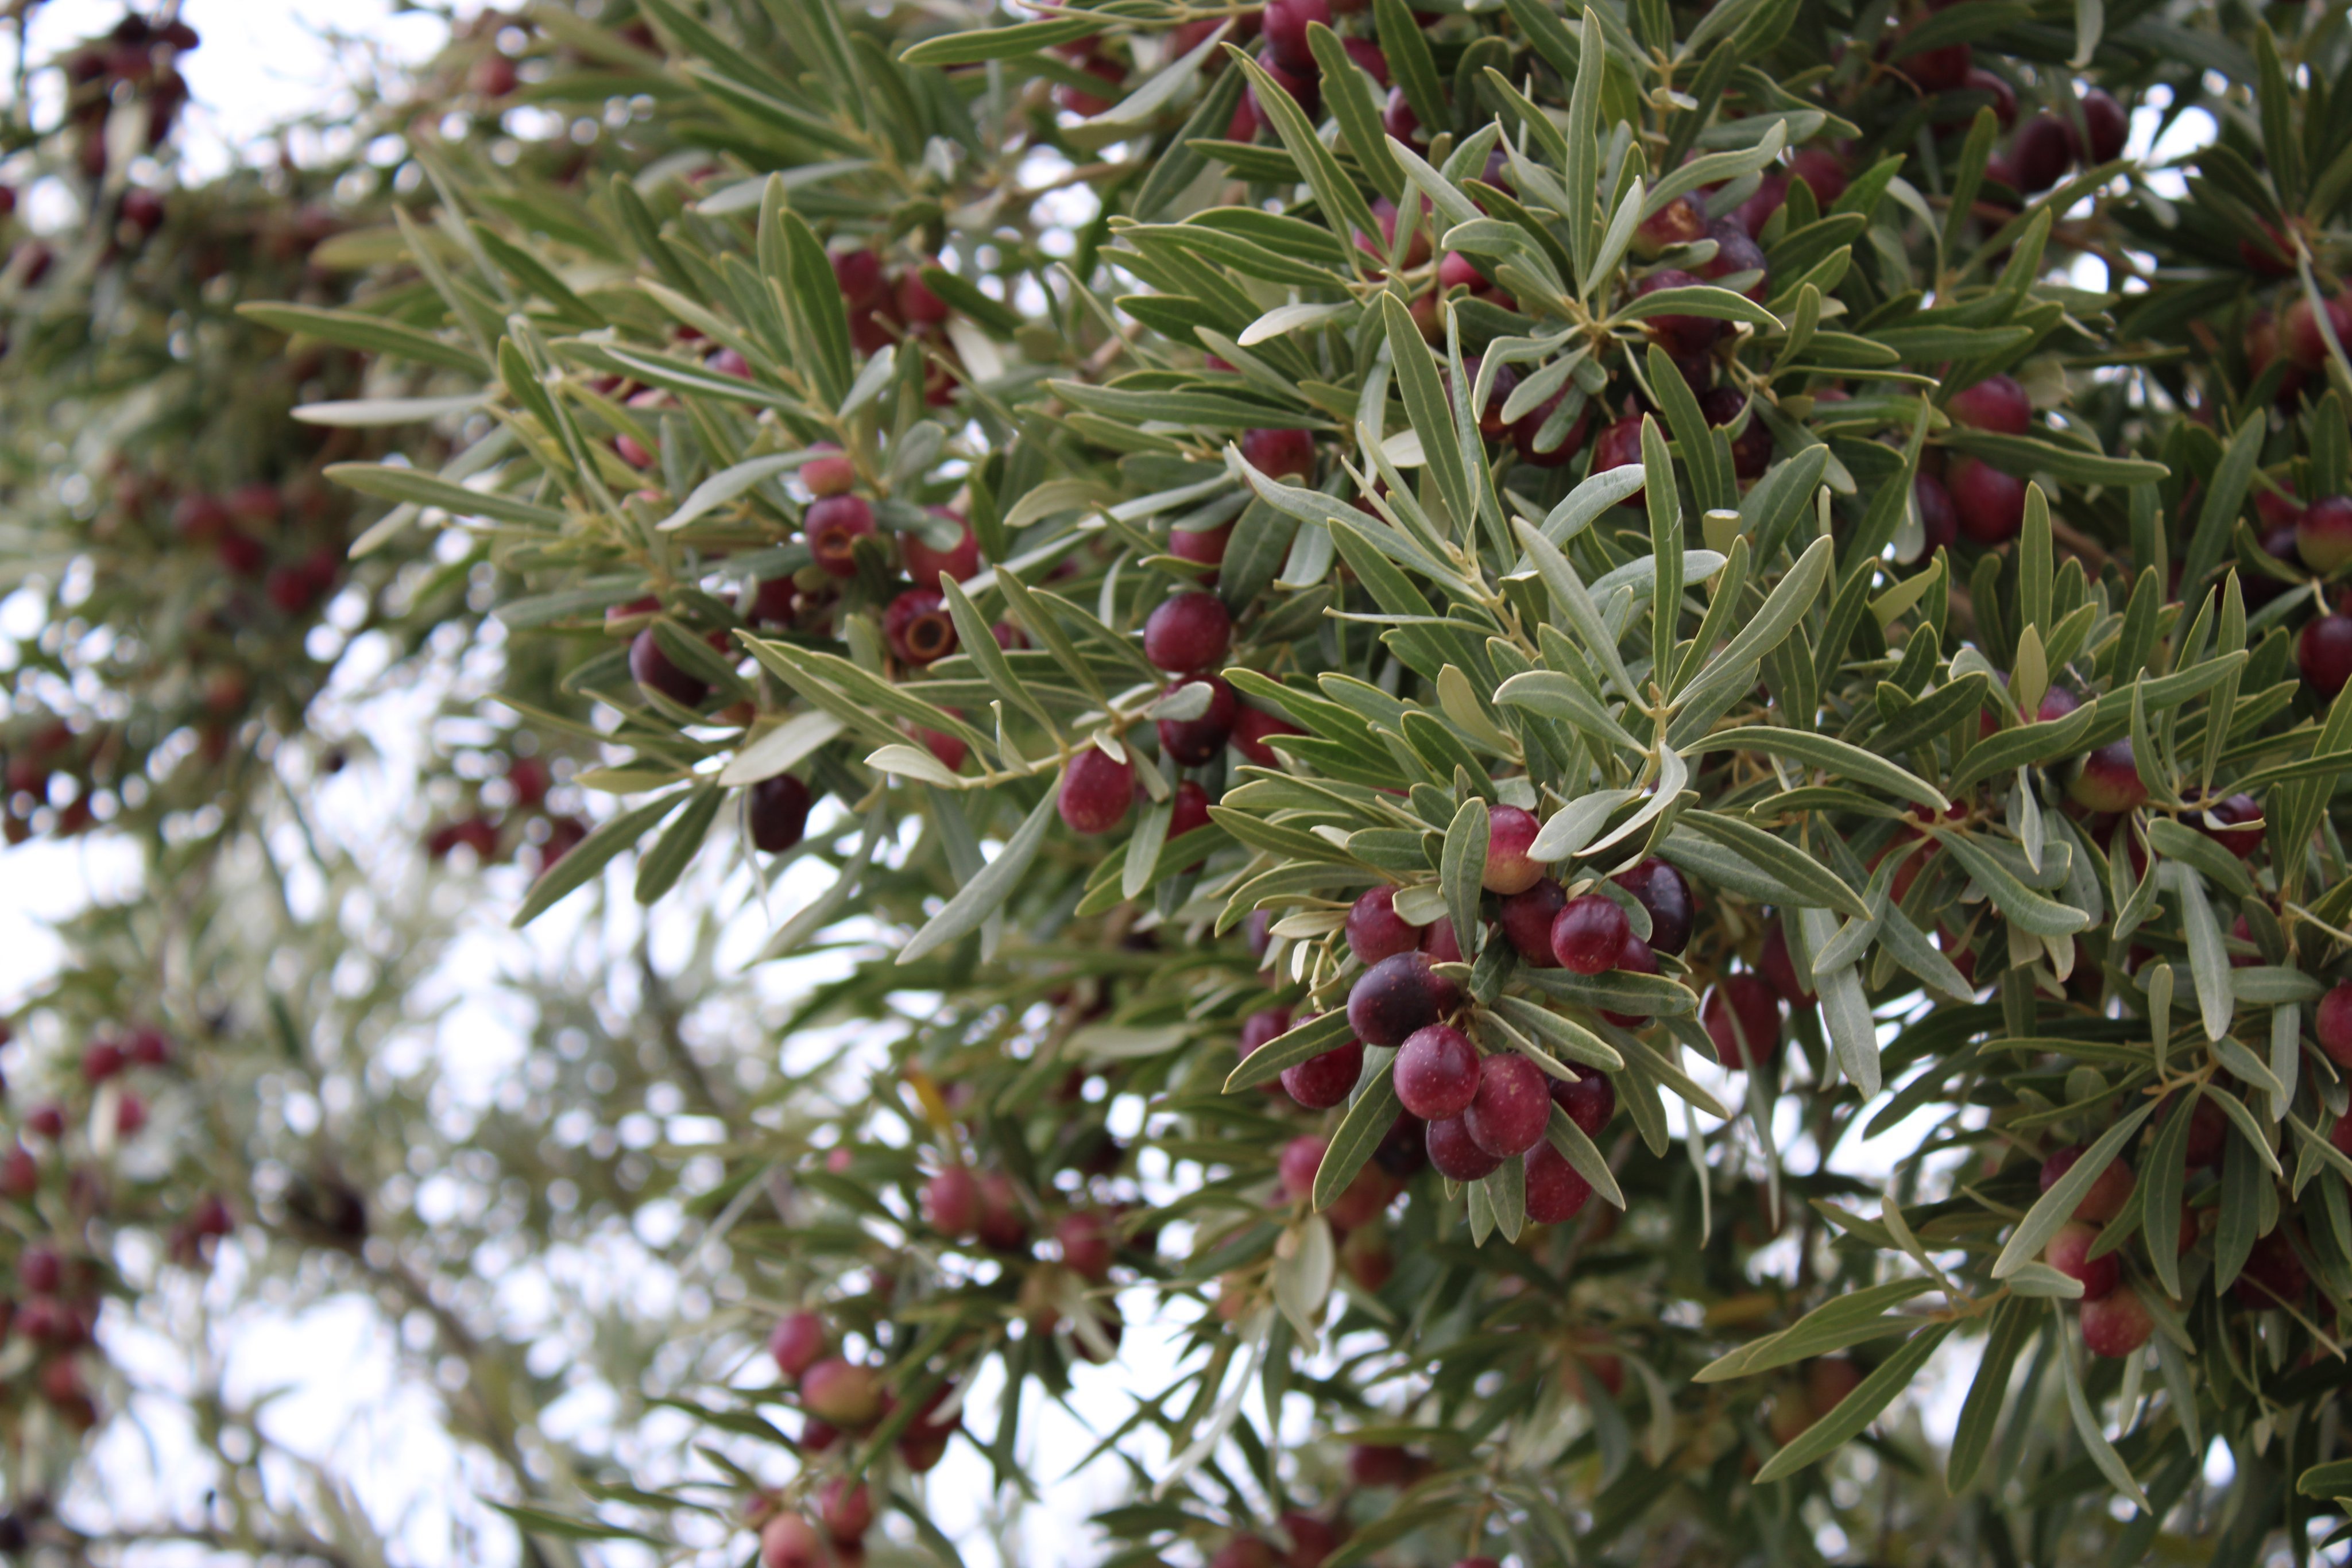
1358 1135
1849 763
393 483
2014 1322
1843 1321
589 855
369 334
1312 1039
979 898
2057 1207
1834 1429
1812 883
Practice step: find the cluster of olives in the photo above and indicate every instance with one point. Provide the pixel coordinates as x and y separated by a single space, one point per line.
2319 537
1185 636
836 1396
840 526
283 538
57 1193
526 822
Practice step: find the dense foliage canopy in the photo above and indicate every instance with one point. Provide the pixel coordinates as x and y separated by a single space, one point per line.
1588 743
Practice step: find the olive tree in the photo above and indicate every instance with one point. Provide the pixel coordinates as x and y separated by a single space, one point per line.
1414 664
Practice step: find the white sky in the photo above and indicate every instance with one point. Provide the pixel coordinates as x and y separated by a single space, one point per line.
262 61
